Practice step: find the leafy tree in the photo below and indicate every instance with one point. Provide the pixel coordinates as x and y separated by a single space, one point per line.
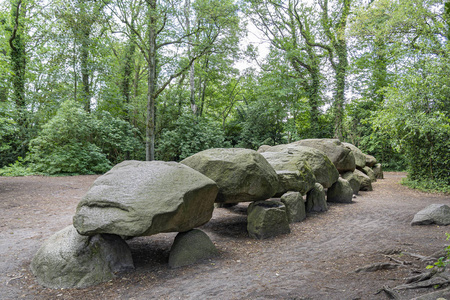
75 142
190 135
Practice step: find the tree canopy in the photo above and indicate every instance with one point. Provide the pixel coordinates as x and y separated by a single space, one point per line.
85 84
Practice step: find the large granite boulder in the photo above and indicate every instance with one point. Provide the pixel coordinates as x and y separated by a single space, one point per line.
190 247
294 157
295 206
360 157
243 175
340 191
315 199
341 156
294 172
364 180
143 198
267 219
370 160
433 214
70 260
370 173
378 171
354 181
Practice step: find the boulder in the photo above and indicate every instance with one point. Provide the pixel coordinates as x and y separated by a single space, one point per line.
267 219
292 155
243 175
364 180
353 180
360 157
144 198
295 206
263 148
433 214
70 260
294 173
340 191
369 172
341 156
315 199
378 171
370 160
190 247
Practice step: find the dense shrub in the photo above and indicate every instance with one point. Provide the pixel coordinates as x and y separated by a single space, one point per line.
190 135
75 142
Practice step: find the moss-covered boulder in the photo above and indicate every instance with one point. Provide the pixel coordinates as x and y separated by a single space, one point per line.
242 175
342 157
143 198
370 173
267 219
340 192
360 157
378 171
295 158
190 247
70 260
353 180
295 206
316 200
370 160
364 180
294 173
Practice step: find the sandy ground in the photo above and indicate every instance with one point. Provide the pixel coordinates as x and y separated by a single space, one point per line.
316 260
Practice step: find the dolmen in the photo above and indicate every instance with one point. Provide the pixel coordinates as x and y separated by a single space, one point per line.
282 183
133 199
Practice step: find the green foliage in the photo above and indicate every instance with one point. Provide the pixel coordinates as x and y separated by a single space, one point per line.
261 124
442 261
117 138
190 135
75 142
416 114
65 144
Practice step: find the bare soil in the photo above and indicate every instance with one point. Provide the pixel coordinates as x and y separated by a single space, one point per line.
317 260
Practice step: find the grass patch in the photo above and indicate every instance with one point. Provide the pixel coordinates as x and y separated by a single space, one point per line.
427 185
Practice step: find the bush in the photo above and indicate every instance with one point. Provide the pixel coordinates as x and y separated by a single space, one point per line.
191 135
75 142
65 144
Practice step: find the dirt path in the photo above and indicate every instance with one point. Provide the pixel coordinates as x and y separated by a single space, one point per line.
316 261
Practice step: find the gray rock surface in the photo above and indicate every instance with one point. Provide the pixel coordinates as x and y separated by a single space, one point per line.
369 172
267 219
190 247
433 214
143 198
364 180
341 156
378 171
294 172
70 260
340 191
360 157
291 155
315 199
242 175
353 180
370 160
295 206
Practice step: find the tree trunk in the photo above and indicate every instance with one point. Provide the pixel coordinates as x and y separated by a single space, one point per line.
17 54
150 126
84 61
339 95
194 108
127 78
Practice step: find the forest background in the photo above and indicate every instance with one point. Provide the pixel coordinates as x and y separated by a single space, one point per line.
85 84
